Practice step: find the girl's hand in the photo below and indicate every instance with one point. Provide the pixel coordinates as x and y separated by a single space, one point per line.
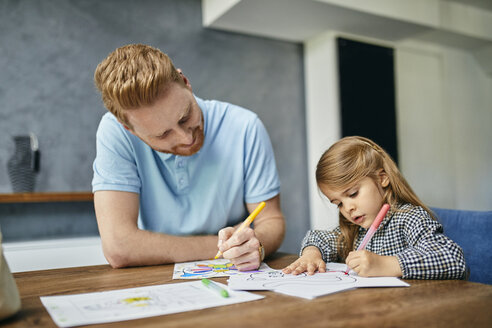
367 264
310 261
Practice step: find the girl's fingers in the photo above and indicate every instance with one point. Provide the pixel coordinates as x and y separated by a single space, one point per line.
291 267
311 268
299 270
301 266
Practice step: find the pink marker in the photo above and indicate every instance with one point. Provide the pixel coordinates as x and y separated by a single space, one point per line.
374 227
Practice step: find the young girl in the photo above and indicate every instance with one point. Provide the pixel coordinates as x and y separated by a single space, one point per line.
358 176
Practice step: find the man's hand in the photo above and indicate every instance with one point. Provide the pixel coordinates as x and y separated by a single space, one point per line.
243 248
310 261
240 248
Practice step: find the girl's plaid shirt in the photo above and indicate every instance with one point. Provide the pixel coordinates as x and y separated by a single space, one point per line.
410 234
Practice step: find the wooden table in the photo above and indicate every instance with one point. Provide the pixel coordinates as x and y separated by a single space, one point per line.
441 303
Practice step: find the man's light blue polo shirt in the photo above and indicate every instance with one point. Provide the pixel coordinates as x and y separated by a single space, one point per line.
190 195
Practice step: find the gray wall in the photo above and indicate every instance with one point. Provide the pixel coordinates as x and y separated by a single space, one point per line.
48 52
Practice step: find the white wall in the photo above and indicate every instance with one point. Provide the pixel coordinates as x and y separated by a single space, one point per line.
322 117
424 126
468 96
444 107
444 118
444 114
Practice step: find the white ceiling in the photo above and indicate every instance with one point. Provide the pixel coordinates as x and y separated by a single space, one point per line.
299 20
450 23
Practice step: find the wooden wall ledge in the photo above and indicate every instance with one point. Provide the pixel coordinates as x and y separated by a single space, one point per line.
42 197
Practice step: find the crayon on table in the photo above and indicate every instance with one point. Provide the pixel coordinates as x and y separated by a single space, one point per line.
213 286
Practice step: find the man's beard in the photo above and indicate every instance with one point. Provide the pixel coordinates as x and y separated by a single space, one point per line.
182 150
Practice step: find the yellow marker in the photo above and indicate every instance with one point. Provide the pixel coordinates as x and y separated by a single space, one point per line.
246 223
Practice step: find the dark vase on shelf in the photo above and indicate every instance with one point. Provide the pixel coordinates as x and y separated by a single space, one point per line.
24 163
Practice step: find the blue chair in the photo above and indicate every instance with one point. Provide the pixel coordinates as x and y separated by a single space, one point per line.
472 230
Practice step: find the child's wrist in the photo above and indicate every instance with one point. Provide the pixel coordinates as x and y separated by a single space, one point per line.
311 250
392 266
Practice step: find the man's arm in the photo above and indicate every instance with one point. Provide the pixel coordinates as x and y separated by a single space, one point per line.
269 230
124 244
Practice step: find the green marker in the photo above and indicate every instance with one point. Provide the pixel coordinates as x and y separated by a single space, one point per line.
212 285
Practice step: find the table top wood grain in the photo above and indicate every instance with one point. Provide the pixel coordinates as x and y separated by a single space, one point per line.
426 303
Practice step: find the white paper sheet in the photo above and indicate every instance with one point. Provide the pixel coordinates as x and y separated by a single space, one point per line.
303 285
135 303
211 268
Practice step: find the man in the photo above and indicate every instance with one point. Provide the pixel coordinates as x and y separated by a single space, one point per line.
9 295
172 170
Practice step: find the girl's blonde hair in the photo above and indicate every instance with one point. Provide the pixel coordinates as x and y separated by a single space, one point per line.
132 76
348 161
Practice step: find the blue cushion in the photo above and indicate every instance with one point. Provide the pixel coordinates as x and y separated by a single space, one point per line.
472 230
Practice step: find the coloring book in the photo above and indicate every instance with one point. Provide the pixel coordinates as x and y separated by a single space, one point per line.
211 269
303 285
135 303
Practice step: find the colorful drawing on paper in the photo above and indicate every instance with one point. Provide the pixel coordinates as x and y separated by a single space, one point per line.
124 304
211 268
135 303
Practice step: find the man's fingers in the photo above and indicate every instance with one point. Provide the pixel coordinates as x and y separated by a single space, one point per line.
250 247
225 233
244 237
248 266
248 261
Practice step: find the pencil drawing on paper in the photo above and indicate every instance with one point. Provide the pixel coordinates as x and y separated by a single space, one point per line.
334 280
275 279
